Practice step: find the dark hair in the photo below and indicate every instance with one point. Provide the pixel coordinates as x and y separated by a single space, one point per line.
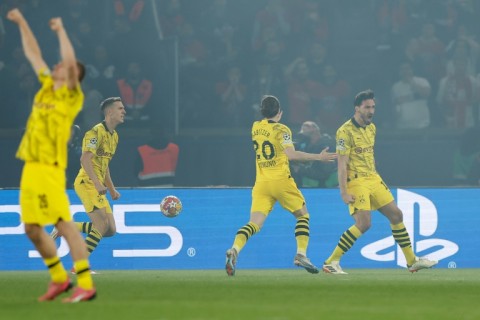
270 106
108 102
81 71
362 96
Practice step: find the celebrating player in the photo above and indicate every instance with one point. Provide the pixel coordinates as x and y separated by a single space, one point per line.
43 199
274 148
362 188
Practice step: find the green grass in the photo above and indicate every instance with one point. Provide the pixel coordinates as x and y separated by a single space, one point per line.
254 294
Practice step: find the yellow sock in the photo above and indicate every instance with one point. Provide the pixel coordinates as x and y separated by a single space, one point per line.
56 269
347 240
243 234
93 239
302 234
84 278
400 234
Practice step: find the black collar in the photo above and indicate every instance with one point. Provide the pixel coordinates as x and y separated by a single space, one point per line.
356 124
106 128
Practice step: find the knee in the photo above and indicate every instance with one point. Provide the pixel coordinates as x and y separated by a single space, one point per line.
110 232
106 228
101 228
33 232
397 217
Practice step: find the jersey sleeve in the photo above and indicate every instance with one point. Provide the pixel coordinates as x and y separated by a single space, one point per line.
343 141
44 76
73 98
45 79
284 135
91 141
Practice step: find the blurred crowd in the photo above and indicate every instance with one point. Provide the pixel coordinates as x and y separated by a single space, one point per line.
420 57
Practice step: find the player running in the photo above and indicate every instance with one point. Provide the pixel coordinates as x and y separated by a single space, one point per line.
274 149
93 180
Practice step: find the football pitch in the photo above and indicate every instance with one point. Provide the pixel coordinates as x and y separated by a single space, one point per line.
254 294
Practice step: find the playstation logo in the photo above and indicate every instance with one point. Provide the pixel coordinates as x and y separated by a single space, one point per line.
427 225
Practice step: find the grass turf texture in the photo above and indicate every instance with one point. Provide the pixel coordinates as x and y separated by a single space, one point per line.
254 294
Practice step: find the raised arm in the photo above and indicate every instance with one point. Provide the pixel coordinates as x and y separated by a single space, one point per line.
324 156
67 53
29 42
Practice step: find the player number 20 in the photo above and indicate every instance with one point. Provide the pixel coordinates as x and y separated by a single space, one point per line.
268 150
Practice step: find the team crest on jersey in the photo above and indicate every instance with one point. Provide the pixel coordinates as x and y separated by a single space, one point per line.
341 144
92 143
362 199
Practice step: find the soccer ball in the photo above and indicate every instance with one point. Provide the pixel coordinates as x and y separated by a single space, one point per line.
171 206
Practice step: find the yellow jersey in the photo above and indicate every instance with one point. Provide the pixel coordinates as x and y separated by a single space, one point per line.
49 124
103 145
358 143
269 142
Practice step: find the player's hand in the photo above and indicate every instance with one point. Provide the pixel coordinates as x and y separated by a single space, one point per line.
348 198
327 156
115 194
101 189
15 15
56 24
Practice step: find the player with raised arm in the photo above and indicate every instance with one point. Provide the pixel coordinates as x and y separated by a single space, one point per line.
362 188
43 148
273 145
